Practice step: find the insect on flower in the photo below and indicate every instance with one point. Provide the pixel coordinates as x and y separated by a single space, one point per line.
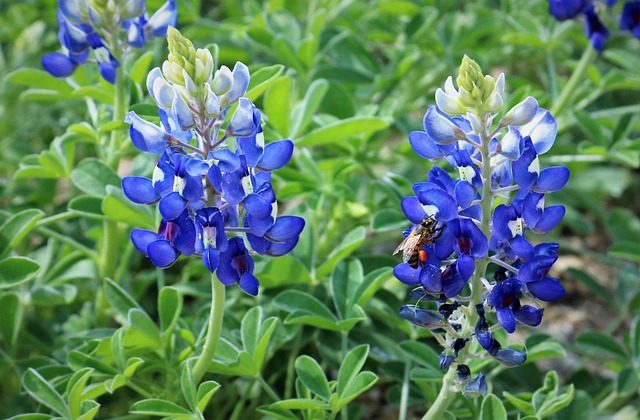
425 232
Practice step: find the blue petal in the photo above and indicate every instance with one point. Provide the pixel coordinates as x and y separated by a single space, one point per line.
139 190
162 254
550 218
522 247
197 167
240 82
257 206
464 194
211 258
250 149
146 136
185 238
424 146
258 244
511 144
285 228
486 340
232 187
276 155
193 190
227 160
431 278
552 179
465 265
510 357
542 130
406 274
259 226
422 317
141 239
226 273
529 315
521 174
440 127
445 206
58 64
171 205
215 178
182 113
164 17
249 283
107 71
507 319
413 209
547 289
502 216
442 179
277 249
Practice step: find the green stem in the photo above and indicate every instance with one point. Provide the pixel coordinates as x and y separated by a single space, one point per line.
436 412
288 385
576 77
56 218
213 330
404 394
268 389
71 242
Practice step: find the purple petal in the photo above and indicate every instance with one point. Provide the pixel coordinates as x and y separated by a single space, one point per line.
431 278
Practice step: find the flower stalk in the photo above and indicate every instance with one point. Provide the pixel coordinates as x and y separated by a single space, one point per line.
214 329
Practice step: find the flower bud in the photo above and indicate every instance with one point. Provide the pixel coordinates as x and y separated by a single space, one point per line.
522 113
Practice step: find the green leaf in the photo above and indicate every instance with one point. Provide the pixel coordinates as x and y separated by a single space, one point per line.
635 337
169 307
205 392
600 343
304 110
94 92
350 243
38 79
31 416
89 409
59 294
256 334
11 312
305 309
312 376
92 176
141 333
386 219
346 278
87 206
580 408
157 407
78 360
262 79
277 105
627 382
75 386
556 403
590 127
284 271
140 67
492 409
520 404
545 350
301 404
351 365
422 354
118 207
342 130
119 299
16 228
372 282
187 384
17 270
362 382
43 392
626 251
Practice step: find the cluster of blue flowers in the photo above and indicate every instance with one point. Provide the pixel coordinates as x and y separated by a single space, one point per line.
492 161
595 29
204 190
104 27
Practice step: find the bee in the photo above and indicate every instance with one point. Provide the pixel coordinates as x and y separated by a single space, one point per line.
425 232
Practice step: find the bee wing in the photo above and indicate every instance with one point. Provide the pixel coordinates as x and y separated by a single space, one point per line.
402 245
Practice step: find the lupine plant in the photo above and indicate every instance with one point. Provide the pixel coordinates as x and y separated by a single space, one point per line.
480 260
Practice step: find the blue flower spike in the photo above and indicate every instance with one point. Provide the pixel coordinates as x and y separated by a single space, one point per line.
86 26
460 234
209 196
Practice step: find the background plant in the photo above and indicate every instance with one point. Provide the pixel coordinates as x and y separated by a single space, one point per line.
346 81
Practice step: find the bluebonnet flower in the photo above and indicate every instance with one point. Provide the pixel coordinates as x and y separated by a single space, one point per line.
595 29
206 192
105 30
492 160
